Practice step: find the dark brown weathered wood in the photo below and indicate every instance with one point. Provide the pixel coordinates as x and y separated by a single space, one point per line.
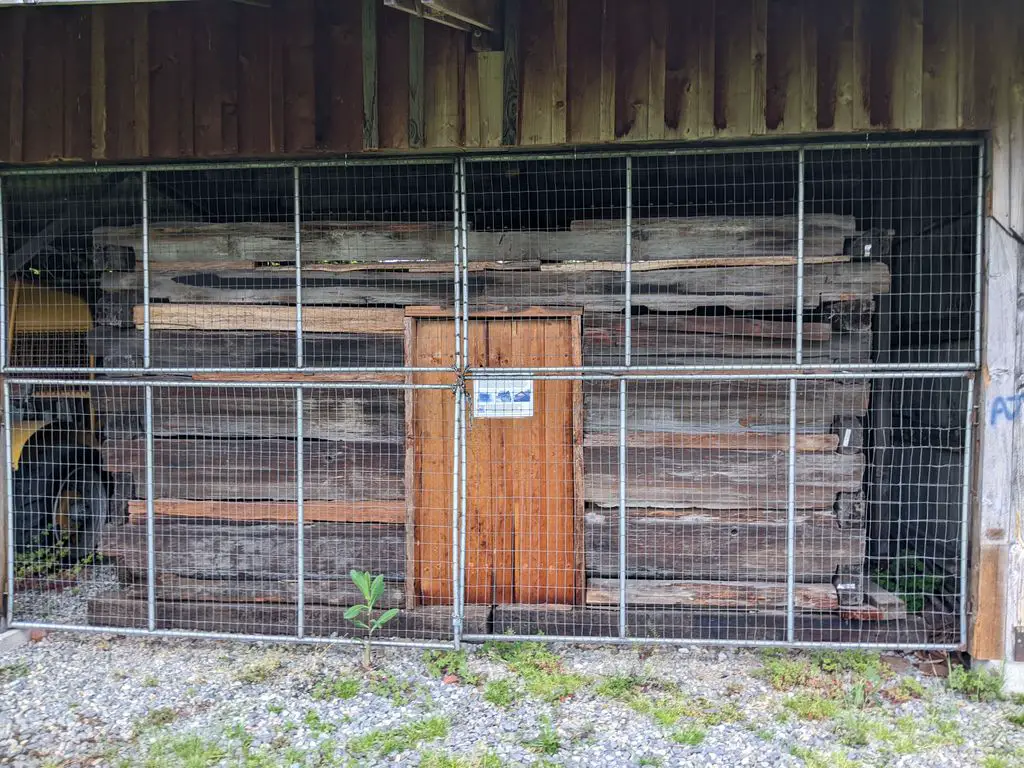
687 624
712 594
122 348
667 549
238 551
361 414
723 407
666 477
424 622
270 511
321 591
738 288
262 469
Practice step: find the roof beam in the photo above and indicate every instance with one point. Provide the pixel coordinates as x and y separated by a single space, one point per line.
467 15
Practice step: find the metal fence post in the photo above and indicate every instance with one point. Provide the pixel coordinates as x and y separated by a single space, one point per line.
9 500
150 517
300 516
297 220
627 360
965 506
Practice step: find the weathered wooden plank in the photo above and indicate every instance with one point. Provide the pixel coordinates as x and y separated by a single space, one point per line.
443 50
724 407
739 288
890 606
77 105
261 469
792 67
634 69
590 85
263 551
717 238
358 414
733 67
828 62
476 13
371 128
393 78
543 85
714 325
908 65
484 77
417 82
337 591
224 350
424 622
340 72
255 135
674 339
758 64
941 63
672 477
270 511
744 441
712 594
227 317
165 85
211 82
44 86
511 76
299 75
12 84
693 624
665 549
967 55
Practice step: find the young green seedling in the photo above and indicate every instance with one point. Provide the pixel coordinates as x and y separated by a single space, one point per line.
362 615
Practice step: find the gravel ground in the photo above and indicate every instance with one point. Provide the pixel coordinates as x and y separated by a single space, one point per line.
92 700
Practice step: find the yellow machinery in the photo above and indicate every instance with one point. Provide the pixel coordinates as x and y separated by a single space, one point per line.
60 494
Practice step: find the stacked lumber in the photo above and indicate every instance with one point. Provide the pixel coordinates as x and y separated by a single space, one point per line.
706 462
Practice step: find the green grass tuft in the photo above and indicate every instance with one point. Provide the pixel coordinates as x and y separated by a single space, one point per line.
541 670
808 705
260 670
976 684
547 741
501 693
343 687
442 663
691 736
400 739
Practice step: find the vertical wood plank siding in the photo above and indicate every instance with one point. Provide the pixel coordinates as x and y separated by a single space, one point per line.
209 79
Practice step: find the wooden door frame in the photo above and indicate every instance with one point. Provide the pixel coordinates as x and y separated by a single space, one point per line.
575 315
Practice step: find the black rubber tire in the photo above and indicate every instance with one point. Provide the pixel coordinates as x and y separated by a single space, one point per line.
43 475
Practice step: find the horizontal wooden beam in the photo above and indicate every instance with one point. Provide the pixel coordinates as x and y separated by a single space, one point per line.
228 317
271 511
712 594
749 441
465 15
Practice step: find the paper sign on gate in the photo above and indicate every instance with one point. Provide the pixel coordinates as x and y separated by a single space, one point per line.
502 398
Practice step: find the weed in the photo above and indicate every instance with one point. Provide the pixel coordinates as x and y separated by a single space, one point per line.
691 736
653 762
911 688
859 663
808 705
909 578
501 693
443 663
994 761
620 687
442 760
372 589
389 687
260 670
814 759
275 709
149 681
540 669
344 687
399 739
191 751
784 673
156 718
13 671
764 734
316 724
734 689
547 742
976 684
1016 719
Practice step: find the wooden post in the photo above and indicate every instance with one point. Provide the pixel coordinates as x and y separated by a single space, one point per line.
989 630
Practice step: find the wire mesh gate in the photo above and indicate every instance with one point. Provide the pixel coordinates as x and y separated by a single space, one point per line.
681 396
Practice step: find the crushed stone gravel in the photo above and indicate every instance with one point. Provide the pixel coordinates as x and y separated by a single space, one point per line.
96 700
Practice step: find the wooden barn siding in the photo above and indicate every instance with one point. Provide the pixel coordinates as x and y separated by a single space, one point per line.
216 79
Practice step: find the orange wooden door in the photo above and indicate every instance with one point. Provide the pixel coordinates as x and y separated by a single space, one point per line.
523 475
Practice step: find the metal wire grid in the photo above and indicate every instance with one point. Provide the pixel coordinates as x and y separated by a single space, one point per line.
477 283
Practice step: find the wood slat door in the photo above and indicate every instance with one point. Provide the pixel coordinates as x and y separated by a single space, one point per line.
524 475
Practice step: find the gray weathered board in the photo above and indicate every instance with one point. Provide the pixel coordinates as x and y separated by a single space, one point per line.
761 288
670 549
395 242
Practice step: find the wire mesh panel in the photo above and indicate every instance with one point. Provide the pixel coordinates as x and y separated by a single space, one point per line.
672 396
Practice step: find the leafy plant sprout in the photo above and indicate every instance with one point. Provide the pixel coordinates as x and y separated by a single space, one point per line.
362 615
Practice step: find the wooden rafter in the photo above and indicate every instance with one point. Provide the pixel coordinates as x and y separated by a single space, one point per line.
467 15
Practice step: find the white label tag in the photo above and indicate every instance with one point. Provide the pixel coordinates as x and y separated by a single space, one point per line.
502 398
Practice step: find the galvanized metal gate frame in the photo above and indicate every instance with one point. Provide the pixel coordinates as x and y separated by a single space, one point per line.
461 315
